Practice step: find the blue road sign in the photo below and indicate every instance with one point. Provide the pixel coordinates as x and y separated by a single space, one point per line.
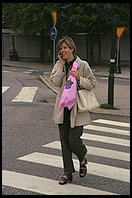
53 33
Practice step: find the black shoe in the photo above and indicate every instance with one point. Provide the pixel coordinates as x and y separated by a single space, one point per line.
83 169
66 178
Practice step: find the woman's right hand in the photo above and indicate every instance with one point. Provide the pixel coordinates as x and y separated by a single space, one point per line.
62 61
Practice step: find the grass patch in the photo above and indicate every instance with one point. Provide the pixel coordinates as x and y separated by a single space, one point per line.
107 106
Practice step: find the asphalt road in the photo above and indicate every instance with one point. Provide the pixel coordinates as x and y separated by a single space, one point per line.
27 128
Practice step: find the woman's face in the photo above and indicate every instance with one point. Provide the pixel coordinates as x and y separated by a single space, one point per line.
66 52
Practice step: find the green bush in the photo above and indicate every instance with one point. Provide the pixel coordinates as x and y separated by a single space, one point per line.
107 106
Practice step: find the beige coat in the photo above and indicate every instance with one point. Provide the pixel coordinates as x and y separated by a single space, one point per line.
87 81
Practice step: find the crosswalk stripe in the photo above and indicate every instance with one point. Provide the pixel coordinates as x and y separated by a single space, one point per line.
4 89
116 123
46 186
107 130
105 139
26 94
94 168
96 151
5 71
104 78
27 72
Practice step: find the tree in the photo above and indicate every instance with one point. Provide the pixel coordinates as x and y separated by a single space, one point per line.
86 17
27 17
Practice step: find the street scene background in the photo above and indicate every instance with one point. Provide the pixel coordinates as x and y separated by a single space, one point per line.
31 153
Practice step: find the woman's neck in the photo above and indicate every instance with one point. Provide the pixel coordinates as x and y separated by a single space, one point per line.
70 59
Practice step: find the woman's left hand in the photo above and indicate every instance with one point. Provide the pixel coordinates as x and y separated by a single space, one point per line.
75 73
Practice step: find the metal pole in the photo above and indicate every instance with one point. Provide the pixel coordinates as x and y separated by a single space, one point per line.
117 58
112 63
54 52
119 66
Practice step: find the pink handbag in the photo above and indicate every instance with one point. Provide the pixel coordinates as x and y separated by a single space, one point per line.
68 97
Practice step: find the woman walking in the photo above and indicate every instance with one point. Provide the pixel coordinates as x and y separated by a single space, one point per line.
71 122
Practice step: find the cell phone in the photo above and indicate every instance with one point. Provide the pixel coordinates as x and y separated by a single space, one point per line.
60 54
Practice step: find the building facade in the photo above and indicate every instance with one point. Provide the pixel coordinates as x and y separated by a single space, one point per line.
30 47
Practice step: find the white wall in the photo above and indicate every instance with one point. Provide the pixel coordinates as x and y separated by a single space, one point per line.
28 46
124 49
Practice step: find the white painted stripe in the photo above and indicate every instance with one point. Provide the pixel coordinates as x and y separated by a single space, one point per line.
27 72
107 129
111 122
93 168
5 71
31 70
46 186
4 89
26 94
103 78
105 139
96 151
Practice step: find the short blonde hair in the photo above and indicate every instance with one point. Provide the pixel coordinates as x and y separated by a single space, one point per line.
68 40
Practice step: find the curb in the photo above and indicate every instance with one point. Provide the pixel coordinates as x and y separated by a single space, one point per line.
6 65
106 75
94 72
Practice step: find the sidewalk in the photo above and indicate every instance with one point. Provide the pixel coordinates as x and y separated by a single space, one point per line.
121 92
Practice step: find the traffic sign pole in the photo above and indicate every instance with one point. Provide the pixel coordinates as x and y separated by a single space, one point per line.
112 64
119 33
54 52
53 35
53 32
117 57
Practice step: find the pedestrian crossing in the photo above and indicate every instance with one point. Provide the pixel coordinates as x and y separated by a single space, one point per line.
46 186
115 123
106 139
4 89
107 130
94 168
113 173
96 151
26 94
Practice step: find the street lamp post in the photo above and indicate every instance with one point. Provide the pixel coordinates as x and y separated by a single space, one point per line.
112 63
107 9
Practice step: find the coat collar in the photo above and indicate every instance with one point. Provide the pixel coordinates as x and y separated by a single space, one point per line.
78 60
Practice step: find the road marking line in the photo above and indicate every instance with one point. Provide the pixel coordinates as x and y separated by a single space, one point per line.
116 123
27 72
96 151
93 168
107 129
103 78
105 139
26 94
4 89
46 186
5 71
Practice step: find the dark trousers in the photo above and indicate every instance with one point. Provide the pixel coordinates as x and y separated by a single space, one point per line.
71 143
